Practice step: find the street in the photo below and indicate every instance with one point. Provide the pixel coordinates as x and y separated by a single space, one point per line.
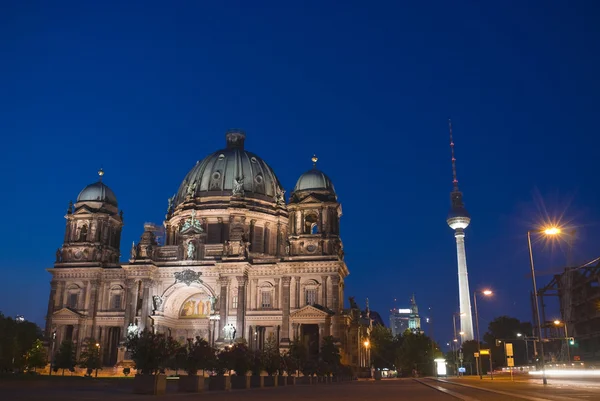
468 389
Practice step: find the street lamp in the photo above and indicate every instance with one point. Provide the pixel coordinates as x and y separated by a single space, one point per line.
559 323
548 231
98 356
367 344
486 293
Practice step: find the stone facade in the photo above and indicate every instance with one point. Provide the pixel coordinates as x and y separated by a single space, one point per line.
235 261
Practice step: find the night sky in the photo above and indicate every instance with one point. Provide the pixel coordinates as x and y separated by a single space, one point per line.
146 89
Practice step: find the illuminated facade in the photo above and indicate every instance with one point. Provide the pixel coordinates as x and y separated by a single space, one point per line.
235 260
405 319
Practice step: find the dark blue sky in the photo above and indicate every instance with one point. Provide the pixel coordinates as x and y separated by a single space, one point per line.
147 89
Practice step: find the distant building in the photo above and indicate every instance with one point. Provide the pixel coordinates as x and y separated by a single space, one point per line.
20 318
402 319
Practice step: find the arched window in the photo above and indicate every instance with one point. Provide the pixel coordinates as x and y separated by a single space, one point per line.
310 224
266 295
311 292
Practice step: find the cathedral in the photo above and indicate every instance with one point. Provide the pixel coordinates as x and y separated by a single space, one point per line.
233 260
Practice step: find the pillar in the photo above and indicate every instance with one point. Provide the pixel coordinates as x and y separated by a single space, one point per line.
241 306
93 305
297 292
324 291
285 304
335 293
253 292
51 303
223 297
146 283
276 300
129 306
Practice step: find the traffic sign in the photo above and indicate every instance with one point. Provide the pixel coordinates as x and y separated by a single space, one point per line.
509 349
476 354
510 361
577 358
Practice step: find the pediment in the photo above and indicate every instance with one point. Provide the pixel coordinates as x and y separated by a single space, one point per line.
309 312
311 199
66 313
192 230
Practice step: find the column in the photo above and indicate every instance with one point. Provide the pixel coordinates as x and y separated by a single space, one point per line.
129 301
276 300
223 297
335 293
278 240
285 303
93 304
51 301
241 306
146 283
61 295
297 291
321 332
253 292
324 291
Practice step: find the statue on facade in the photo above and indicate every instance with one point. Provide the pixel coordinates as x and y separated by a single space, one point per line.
226 248
280 197
190 250
133 253
58 255
238 186
157 300
191 188
229 332
132 330
170 201
213 302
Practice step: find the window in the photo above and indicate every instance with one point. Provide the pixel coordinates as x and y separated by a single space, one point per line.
311 296
72 301
116 304
83 233
234 302
310 224
265 297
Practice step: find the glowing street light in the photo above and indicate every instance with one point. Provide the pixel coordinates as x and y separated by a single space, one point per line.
366 343
559 323
486 293
549 231
519 334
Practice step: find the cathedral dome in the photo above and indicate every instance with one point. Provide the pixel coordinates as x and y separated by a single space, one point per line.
314 180
97 192
218 174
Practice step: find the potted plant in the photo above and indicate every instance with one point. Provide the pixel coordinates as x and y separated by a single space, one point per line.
150 352
241 363
197 355
222 365
256 366
271 359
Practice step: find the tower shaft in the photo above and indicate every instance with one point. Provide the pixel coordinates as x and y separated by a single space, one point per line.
464 295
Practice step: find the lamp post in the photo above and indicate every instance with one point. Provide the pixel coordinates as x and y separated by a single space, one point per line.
548 231
486 293
456 342
519 335
367 344
564 324
98 356
52 351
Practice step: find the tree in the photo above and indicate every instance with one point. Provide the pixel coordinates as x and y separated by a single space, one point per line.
150 351
65 357
415 353
90 356
295 357
16 340
383 348
330 355
198 354
241 359
271 355
505 328
36 356
469 348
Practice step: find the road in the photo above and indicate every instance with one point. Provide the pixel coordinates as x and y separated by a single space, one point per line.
465 389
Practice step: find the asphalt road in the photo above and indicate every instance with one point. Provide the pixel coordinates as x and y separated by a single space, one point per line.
386 390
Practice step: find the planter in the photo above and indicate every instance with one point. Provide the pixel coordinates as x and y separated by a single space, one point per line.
240 382
257 381
191 384
270 381
281 380
304 380
291 380
219 383
150 384
377 375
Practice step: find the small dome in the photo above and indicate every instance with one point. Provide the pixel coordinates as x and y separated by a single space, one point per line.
314 180
217 173
97 192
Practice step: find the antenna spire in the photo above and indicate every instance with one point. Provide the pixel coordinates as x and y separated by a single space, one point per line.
314 160
454 179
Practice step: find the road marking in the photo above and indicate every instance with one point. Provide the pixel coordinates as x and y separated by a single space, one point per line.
525 397
446 391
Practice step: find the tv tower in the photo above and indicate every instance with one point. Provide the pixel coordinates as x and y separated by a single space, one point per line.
458 220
